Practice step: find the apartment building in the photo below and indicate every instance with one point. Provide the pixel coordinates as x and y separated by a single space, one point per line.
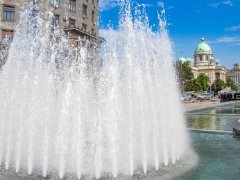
78 18
8 14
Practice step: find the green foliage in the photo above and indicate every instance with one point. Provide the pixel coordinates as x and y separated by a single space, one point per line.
185 75
184 71
230 83
218 85
187 71
190 85
202 82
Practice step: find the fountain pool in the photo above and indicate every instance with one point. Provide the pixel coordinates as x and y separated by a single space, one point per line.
218 152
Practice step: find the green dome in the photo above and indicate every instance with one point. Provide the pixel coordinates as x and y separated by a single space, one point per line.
189 59
182 59
203 47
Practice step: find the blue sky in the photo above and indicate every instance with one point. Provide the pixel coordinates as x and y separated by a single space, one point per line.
189 20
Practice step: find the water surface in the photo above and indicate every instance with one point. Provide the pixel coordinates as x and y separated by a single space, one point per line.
219 156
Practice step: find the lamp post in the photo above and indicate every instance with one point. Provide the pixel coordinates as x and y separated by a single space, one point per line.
210 87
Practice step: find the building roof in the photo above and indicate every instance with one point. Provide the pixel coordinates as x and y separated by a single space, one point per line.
236 66
203 47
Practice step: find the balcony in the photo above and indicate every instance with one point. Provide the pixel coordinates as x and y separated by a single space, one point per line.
76 32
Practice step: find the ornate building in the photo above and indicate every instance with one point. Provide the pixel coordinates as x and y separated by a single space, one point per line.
205 63
234 74
79 17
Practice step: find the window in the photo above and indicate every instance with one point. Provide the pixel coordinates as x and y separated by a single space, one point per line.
72 5
71 22
200 57
217 75
8 13
93 17
55 3
55 20
84 11
84 27
7 36
93 31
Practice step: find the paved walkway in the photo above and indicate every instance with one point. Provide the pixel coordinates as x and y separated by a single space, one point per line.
192 106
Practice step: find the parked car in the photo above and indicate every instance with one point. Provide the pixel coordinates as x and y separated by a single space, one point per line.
193 95
206 96
200 97
211 94
185 97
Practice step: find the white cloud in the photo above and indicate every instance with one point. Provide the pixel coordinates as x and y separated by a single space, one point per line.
228 3
148 5
214 5
227 39
233 28
107 4
236 44
161 4
170 7
221 3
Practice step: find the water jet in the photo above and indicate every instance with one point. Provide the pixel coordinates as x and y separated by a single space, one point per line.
60 118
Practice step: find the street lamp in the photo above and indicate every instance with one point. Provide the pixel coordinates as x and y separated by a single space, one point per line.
210 87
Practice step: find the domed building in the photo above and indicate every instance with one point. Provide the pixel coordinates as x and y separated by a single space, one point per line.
182 59
202 54
204 62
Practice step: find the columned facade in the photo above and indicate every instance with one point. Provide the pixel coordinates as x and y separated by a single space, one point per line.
234 74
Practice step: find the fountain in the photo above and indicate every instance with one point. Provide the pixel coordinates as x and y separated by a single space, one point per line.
61 115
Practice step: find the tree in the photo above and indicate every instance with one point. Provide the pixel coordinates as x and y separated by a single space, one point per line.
190 85
202 82
185 75
187 71
230 83
218 85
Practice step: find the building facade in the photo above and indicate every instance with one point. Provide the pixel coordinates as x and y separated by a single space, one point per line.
234 74
78 18
8 17
204 62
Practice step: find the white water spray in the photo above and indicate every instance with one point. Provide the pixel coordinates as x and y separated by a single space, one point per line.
60 113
